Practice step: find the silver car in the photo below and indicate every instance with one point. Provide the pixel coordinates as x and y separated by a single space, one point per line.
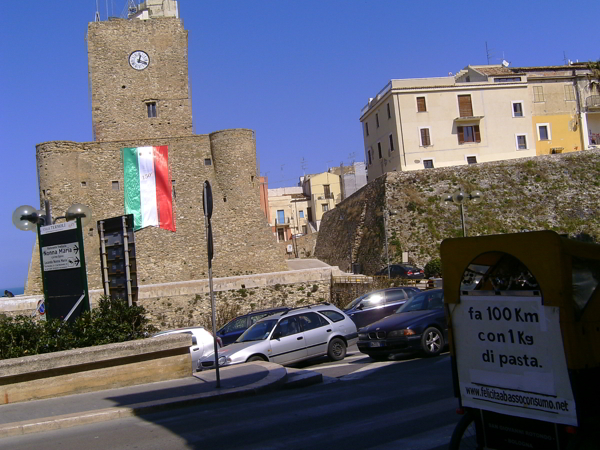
290 336
202 342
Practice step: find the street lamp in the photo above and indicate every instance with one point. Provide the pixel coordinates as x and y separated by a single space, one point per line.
26 217
386 217
459 198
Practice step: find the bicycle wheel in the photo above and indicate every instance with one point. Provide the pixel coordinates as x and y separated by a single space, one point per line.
464 436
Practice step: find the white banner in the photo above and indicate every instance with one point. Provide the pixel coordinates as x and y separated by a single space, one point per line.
510 358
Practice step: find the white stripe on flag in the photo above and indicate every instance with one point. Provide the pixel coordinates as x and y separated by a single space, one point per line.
147 186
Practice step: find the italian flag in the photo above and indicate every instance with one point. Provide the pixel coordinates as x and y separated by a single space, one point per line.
148 187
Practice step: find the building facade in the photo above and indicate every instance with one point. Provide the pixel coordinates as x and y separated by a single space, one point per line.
288 209
480 114
324 191
138 76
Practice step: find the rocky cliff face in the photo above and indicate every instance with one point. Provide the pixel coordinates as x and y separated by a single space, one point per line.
553 192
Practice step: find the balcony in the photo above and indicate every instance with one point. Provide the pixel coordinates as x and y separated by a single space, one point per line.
592 103
282 223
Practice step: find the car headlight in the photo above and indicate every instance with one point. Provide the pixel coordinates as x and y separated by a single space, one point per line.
362 335
223 360
403 332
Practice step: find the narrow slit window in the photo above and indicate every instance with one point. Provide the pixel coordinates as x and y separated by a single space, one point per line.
115 185
151 107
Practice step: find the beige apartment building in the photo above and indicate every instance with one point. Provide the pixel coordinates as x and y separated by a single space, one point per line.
483 113
324 191
288 211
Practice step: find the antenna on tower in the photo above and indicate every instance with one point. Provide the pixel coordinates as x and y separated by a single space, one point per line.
488 53
303 165
352 158
97 15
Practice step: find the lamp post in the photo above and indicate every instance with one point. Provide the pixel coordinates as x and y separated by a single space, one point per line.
386 214
459 198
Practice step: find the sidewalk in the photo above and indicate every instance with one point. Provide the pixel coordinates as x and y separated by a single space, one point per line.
68 411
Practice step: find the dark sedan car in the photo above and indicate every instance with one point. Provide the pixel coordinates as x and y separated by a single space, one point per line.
403 271
418 325
376 305
234 328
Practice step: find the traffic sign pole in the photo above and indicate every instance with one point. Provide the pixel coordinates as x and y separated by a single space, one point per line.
207 203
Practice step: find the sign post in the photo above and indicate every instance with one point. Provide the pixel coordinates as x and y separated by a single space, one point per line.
64 274
207 203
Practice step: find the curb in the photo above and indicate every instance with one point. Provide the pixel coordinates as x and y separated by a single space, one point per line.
275 378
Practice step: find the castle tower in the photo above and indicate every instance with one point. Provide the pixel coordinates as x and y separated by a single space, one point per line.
138 74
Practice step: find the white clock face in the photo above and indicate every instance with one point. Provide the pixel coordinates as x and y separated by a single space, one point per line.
139 60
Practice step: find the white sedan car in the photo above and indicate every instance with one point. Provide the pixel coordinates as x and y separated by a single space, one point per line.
290 336
202 342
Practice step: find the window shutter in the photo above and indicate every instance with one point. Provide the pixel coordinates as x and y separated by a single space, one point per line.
461 135
477 135
421 106
465 108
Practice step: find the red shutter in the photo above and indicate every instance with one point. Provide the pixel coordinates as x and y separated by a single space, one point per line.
477 135
461 135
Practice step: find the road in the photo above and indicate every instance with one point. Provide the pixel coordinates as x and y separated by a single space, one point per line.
406 403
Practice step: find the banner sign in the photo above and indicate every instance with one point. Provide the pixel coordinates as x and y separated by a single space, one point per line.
510 358
148 187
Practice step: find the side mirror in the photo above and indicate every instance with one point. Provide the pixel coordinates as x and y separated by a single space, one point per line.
360 306
276 335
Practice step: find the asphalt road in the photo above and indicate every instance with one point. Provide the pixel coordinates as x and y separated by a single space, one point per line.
405 404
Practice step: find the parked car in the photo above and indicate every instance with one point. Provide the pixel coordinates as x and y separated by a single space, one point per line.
372 306
202 341
403 271
418 325
234 328
290 336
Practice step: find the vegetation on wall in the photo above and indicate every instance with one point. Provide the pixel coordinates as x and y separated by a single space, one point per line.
111 321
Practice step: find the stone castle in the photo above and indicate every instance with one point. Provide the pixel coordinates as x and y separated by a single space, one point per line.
140 96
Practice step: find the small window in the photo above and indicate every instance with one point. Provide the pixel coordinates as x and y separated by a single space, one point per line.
517 109
367 128
325 207
208 162
334 316
391 143
544 133
288 326
151 107
115 185
83 184
327 191
379 149
311 320
538 94
370 160
173 188
304 229
425 137
428 163
521 142
301 214
468 134
389 111
421 105
377 119
569 93
471 159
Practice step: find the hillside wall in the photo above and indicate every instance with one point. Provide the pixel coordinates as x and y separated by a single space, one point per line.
555 192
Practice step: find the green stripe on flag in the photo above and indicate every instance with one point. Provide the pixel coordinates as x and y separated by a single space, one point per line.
131 173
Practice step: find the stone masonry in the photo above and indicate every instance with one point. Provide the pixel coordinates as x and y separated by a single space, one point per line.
552 192
92 173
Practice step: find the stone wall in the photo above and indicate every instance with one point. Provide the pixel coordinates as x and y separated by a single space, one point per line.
119 93
187 303
304 245
92 173
555 192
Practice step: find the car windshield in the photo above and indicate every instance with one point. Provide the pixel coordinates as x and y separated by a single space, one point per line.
258 332
422 302
355 302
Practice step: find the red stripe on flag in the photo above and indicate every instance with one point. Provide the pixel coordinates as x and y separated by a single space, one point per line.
164 200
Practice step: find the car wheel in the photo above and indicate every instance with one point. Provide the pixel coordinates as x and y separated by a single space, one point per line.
255 358
379 356
337 349
432 341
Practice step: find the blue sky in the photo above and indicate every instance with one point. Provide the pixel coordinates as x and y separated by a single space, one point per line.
296 72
